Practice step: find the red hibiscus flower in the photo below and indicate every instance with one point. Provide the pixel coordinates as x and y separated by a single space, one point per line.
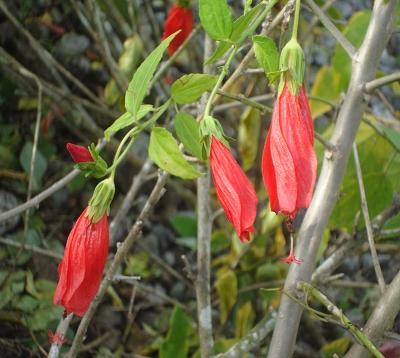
81 268
180 17
234 190
289 162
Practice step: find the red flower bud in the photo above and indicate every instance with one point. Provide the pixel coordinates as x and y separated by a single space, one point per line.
234 190
79 154
81 268
289 162
179 18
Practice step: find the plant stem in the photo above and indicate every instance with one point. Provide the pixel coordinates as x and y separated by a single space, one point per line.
133 133
296 20
237 44
339 314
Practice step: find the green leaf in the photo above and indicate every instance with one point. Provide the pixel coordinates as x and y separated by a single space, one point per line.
9 292
239 26
128 61
138 86
187 130
127 119
266 54
227 291
176 344
40 161
321 90
185 225
248 3
32 239
380 171
249 129
244 319
355 33
216 19
392 135
337 347
164 151
219 241
189 88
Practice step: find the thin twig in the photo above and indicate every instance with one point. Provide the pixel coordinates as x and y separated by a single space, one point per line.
324 270
379 82
101 39
252 339
119 19
35 249
314 22
347 46
49 61
370 234
167 267
342 318
31 175
325 143
249 101
123 210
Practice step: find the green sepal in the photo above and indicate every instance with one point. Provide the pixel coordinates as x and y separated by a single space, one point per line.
211 127
97 168
292 65
101 200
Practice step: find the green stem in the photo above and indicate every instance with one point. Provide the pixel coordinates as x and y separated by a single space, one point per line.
224 72
236 45
344 320
255 24
132 134
296 20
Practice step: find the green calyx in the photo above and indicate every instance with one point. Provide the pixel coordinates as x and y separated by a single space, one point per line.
183 3
101 200
291 65
97 168
211 127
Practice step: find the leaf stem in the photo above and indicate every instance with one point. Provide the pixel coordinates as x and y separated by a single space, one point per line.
236 45
133 133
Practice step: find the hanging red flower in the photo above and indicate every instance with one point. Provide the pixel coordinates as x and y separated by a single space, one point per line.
289 162
82 267
180 17
234 190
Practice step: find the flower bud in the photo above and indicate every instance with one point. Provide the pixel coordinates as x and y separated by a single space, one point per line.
291 64
89 161
101 200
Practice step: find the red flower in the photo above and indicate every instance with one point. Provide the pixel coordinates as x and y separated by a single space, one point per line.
289 162
179 18
234 190
81 268
79 154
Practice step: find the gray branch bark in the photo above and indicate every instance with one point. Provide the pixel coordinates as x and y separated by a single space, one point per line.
364 65
204 230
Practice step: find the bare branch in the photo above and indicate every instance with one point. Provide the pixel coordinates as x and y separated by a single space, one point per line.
364 206
347 46
379 82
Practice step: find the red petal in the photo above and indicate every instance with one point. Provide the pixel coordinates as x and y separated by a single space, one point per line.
82 266
178 19
234 190
79 154
297 128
